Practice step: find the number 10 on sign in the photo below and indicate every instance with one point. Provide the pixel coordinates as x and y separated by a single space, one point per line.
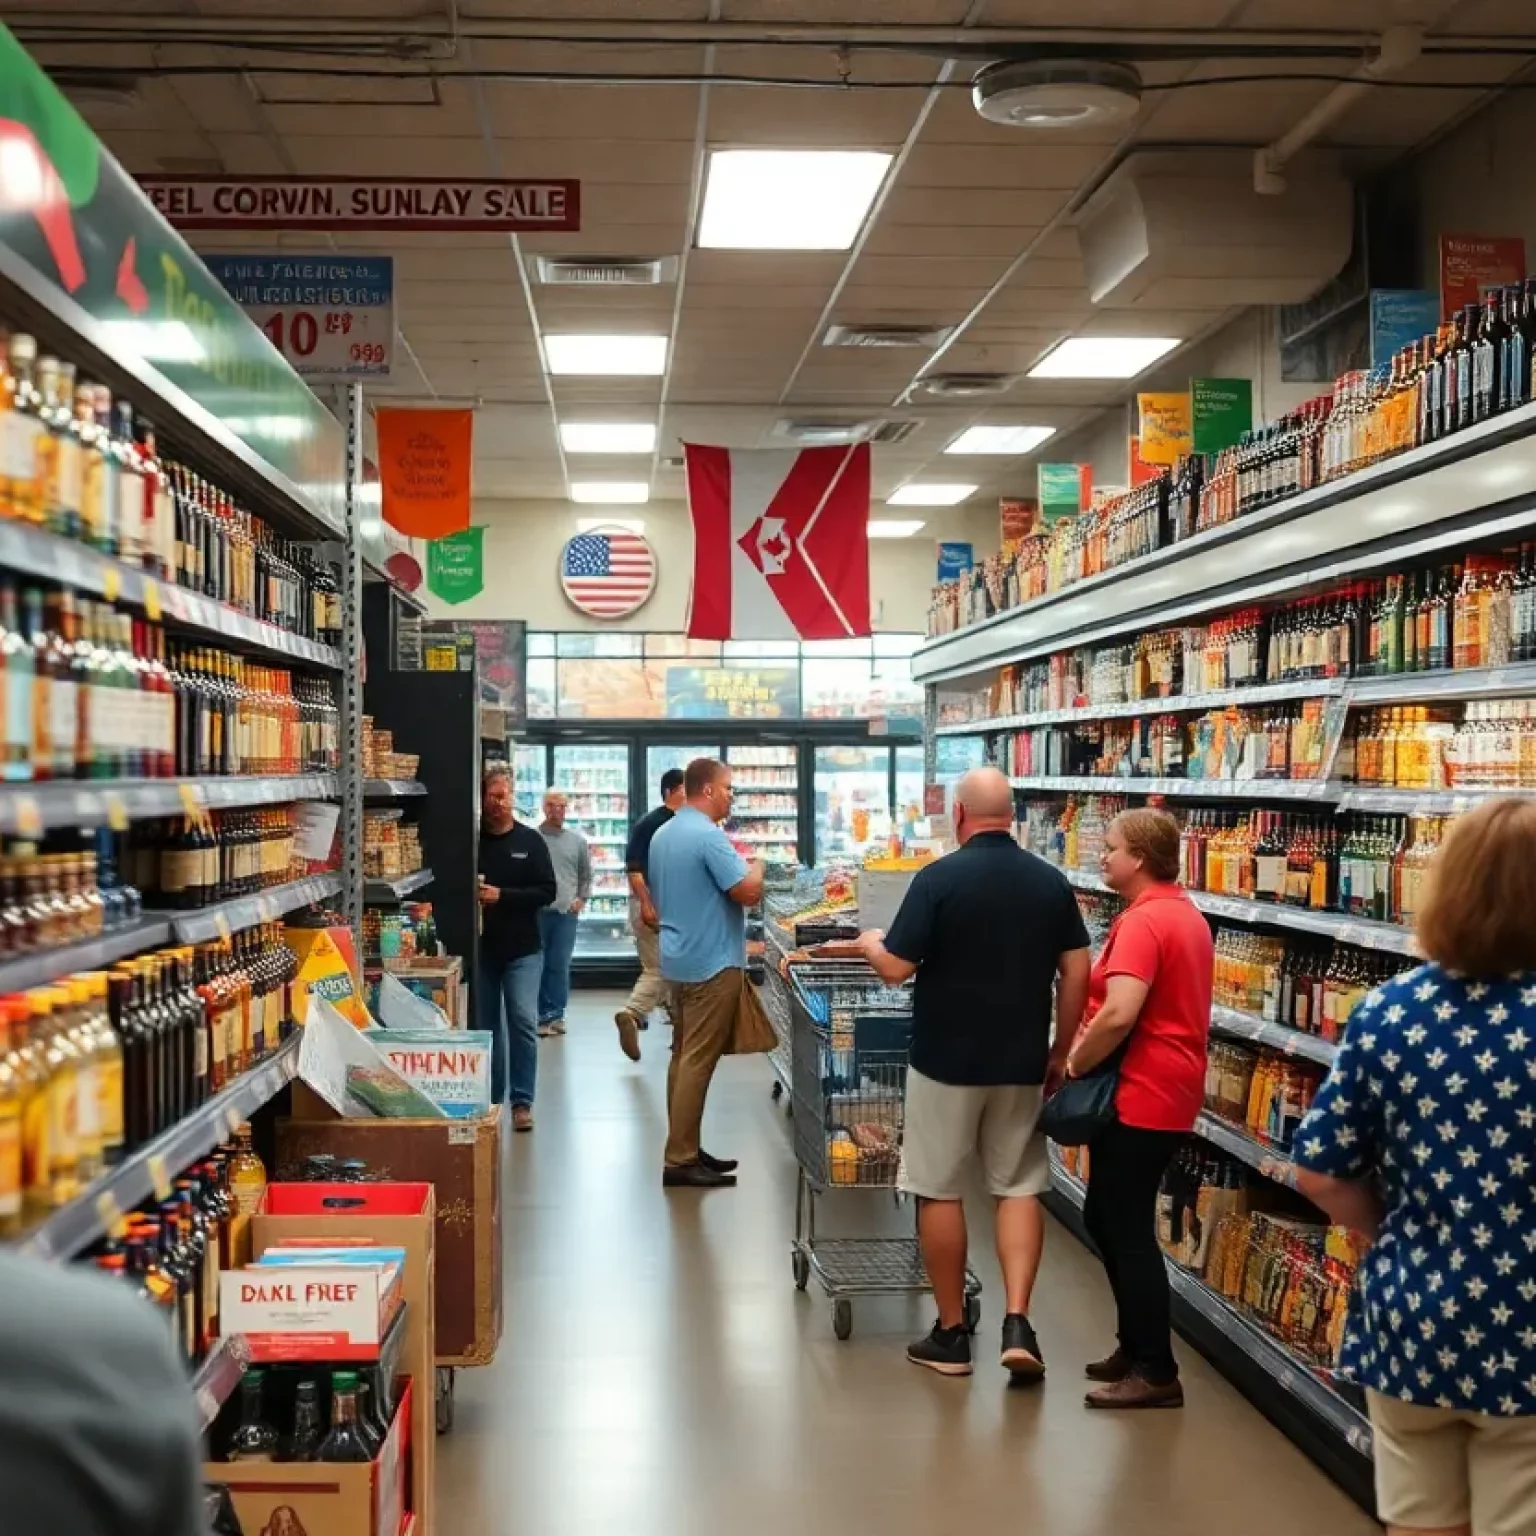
329 341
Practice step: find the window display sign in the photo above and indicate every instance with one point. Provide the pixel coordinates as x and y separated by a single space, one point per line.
733 693
330 316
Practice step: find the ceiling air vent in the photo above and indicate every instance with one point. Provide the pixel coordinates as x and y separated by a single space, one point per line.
604 271
928 336
897 430
821 431
965 386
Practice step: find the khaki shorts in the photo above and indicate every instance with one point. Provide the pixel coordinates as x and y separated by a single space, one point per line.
946 1126
1440 1467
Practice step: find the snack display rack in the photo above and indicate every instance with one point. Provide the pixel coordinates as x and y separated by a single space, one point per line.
1373 560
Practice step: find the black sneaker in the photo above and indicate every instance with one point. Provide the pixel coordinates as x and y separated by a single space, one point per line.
1021 1349
718 1164
945 1350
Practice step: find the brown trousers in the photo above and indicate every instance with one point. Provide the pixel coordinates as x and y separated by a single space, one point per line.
703 1014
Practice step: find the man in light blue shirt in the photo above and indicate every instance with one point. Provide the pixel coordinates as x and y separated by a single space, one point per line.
702 888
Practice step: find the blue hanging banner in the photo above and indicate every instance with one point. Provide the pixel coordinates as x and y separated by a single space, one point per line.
955 559
1400 316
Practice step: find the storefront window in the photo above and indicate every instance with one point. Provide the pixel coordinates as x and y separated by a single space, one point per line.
541 684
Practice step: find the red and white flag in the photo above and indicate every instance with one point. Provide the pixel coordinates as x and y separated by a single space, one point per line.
780 543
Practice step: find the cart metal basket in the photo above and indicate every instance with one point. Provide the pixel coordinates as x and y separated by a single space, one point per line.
849 1039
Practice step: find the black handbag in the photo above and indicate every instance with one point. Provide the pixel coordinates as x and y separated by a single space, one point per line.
1083 1106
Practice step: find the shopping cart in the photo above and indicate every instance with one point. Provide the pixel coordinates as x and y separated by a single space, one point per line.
849 1039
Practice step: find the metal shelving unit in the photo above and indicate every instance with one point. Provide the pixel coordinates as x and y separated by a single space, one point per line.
1237 1142
45 965
95 1214
380 892
1313 791
226 917
392 789
1235 1025
31 809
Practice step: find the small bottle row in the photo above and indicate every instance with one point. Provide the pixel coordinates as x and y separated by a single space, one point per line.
183 863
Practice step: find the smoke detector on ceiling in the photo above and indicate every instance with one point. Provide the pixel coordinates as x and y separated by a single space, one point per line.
1057 93
965 386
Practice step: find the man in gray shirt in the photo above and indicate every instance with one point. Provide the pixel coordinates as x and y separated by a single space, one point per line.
572 858
98 1432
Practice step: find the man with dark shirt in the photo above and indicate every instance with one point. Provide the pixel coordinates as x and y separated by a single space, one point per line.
987 930
650 991
516 880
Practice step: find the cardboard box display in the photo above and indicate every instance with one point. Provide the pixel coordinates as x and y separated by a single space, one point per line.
438 978
451 1067
391 1215
314 1498
327 969
310 1311
462 1158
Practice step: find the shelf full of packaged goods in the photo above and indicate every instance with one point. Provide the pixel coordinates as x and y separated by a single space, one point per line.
1189 703
392 789
223 918
107 351
96 1212
39 967
1233 1024
1237 1142
1314 791
1368 934
1327 1426
28 810
49 557
378 893
1445 494
218 1376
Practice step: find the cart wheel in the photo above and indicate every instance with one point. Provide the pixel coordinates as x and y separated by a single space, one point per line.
972 1313
802 1267
777 1090
842 1318
445 1386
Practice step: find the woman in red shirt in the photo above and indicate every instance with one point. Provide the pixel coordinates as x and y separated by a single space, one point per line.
1150 991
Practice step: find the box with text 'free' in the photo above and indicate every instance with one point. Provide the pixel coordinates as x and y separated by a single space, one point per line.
306 1311
329 1498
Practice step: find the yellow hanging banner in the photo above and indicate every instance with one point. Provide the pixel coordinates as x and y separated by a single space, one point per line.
1167 429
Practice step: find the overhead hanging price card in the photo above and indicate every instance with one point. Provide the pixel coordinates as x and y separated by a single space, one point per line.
330 316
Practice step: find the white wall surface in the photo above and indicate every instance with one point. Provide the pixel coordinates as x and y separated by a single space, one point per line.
524 539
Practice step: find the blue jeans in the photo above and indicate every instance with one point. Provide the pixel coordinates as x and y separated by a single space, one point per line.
506 1004
557 931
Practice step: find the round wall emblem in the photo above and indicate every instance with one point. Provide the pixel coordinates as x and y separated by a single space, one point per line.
609 572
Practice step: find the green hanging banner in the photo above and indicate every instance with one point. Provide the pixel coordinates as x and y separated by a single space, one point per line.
1222 410
456 566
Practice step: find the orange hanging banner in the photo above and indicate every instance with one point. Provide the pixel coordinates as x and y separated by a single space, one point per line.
424 467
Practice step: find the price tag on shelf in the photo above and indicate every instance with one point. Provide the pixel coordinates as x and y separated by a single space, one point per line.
117 811
159 1179
111 583
110 1214
29 817
232 1120
192 801
221 923
152 599
267 909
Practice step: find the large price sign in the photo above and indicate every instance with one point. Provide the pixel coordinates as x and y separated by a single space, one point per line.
330 316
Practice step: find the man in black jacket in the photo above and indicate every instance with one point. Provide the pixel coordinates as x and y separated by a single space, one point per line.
516 880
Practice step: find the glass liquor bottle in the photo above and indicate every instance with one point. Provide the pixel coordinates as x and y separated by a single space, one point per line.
346 1440
255 1439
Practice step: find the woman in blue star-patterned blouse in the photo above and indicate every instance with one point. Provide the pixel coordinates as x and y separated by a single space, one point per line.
1423 1138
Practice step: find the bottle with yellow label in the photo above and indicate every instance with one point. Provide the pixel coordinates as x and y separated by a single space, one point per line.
36 1161
72 1003
10 1130
21 432
109 1067
63 1100
247 1180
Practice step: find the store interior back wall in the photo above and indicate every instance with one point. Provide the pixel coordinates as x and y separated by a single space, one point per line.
524 540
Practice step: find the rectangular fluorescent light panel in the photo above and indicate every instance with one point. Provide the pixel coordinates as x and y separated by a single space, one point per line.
892 528
607 437
595 524
596 356
610 493
929 495
1102 357
788 199
1000 440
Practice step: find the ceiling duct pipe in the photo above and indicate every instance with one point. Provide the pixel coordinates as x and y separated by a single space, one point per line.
1399 49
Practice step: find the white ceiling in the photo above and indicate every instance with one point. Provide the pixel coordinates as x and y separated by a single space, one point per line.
975 228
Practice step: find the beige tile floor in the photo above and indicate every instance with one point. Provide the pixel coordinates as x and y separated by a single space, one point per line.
660 1376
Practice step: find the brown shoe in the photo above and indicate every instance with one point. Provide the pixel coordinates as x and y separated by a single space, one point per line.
1115 1367
522 1117
1135 1391
629 1033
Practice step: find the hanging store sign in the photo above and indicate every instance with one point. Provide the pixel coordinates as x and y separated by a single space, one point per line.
1018 517
1065 490
1400 317
955 559
1472 264
330 316
424 467
1165 427
456 566
1222 410
423 204
1142 473
733 693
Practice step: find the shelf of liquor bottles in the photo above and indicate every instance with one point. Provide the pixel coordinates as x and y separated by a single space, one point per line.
1201 1311
378 892
97 1211
31 809
1238 1143
220 919
392 789
1234 1024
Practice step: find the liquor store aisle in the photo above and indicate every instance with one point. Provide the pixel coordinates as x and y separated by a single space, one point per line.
660 1376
